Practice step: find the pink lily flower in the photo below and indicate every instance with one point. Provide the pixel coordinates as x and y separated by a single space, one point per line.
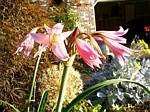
54 40
87 52
112 40
112 35
27 44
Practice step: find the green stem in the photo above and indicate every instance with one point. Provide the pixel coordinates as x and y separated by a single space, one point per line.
64 83
33 81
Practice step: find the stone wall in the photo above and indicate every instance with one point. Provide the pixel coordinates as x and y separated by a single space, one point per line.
86 12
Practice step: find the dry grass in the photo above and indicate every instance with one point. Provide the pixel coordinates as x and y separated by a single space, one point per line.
17 18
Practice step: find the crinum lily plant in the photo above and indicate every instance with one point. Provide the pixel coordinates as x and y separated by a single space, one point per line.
66 45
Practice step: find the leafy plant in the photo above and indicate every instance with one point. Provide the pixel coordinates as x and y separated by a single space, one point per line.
64 15
86 106
134 69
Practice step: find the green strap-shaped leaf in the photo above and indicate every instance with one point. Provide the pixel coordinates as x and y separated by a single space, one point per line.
41 107
98 86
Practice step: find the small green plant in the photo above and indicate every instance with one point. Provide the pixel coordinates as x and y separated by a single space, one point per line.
64 15
86 106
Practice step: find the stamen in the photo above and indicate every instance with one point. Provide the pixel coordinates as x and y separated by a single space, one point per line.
54 38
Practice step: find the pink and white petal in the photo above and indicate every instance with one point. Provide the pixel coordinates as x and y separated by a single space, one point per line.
124 51
28 47
57 28
19 49
34 30
82 47
89 55
27 52
118 33
27 44
121 60
89 63
86 49
114 37
48 29
97 62
41 38
92 62
64 35
60 51
121 31
118 49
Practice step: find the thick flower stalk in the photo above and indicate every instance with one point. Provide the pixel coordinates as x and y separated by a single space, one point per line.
114 41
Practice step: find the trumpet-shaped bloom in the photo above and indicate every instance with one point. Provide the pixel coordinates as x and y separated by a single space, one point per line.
112 35
54 40
27 44
112 39
90 56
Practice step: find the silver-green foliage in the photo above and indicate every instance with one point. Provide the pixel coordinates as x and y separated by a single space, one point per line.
137 71
122 93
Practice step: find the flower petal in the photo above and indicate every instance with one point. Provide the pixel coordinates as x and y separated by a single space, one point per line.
89 55
119 33
34 30
41 38
117 49
64 35
27 45
114 35
57 28
59 49
97 38
112 41
48 29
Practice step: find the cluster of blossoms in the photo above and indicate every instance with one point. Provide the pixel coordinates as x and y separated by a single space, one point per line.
54 40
